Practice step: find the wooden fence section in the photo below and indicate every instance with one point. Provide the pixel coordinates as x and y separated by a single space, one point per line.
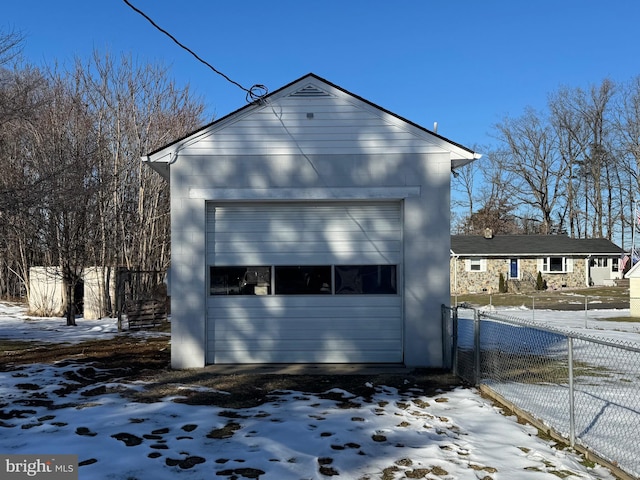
141 314
141 299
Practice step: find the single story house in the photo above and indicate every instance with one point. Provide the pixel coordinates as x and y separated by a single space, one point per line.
310 226
477 262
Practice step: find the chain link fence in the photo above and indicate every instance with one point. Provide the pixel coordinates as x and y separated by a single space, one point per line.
585 389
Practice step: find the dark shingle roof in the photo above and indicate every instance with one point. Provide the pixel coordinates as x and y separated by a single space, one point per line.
525 245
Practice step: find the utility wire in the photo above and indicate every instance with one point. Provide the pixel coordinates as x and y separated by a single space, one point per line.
255 93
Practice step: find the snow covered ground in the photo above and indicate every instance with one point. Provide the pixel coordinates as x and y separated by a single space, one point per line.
532 373
595 323
454 434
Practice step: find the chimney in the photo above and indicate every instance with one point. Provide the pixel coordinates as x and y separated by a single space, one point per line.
488 233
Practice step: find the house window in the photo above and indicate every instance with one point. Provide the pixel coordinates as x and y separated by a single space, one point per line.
303 280
598 262
297 280
476 265
240 280
615 264
366 279
554 265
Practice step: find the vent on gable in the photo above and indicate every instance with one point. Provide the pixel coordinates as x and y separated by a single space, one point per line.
310 91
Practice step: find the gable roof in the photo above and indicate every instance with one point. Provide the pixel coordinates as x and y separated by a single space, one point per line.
634 272
306 87
531 245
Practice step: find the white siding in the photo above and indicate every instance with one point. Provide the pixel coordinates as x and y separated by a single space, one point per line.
304 328
338 125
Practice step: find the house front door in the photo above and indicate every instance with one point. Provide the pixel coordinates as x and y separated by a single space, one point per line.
513 268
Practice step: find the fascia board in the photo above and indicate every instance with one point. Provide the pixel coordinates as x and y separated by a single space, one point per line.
572 254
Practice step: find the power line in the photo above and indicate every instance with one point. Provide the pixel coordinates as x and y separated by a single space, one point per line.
254 93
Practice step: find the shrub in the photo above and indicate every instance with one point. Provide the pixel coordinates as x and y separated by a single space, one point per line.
540 283
502 284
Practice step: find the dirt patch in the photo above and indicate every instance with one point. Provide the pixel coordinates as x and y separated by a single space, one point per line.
251 390
132 358
127 352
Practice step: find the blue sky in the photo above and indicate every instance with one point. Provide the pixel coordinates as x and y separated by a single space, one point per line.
464 64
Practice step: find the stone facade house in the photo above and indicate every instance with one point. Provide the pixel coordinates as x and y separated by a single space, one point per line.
477 262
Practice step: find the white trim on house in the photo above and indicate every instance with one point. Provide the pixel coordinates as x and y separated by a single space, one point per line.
339 193
519 270
548 265
475 265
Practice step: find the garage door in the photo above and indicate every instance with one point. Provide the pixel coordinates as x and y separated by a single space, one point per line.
304 283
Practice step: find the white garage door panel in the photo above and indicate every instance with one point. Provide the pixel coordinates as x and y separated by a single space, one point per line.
304 328
308 345
233 250
238 307
272 233
291 324
298 325
312 352
325 329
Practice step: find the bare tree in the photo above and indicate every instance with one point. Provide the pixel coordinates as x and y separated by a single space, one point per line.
626 123
22 96
10 46
66 160
593 106
464 185
572 135
491 205
582 122
530 159
73 191
136 109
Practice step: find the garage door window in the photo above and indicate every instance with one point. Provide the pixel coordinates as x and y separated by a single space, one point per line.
303 280
366 279
240 280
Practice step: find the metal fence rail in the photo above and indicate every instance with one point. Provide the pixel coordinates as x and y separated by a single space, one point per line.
586 389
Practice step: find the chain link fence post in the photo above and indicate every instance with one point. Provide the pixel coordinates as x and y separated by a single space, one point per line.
586 310
454 359
447 333
572 405
476 347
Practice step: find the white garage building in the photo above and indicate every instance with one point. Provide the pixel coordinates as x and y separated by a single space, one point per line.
309 227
